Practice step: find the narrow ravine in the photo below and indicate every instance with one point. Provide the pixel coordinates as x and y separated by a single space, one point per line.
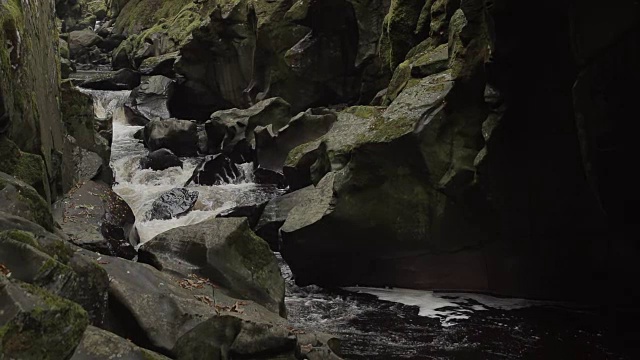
372 323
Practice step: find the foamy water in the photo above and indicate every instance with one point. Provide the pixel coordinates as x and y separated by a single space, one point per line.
373 324
141 187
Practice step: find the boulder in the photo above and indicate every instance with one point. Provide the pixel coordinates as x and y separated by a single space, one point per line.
227 252
172 204
231 131
138 290
383 163
269 177
275 213
307 163
19 199
98 344
46 261
88 164
36 324
215 170
160 160
149 101
159 65
96 218
272 151
179 136
123 79
81 40
251 212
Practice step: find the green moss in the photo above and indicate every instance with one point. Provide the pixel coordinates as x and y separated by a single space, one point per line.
9 155
51 330
39 208
143 14
399 31
21 236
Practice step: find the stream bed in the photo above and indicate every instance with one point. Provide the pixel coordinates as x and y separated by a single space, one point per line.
377 323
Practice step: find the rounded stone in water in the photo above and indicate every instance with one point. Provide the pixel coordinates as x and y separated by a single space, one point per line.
171 204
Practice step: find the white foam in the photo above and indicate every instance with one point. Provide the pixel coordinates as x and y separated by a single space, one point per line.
449 308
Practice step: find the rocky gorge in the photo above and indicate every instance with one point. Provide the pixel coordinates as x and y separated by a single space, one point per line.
266 179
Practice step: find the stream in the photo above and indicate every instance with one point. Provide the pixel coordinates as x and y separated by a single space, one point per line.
375 323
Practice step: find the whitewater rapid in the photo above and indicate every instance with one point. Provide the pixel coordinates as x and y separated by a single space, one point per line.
372 323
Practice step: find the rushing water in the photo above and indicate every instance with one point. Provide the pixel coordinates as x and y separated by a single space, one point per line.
377 324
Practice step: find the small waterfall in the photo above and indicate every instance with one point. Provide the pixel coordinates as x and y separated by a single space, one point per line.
141 187
108 104
373 324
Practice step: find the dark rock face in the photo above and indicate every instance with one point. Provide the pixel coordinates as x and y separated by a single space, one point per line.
251 212
160 160
123 79
179 136
149 101
174 203
289 51
232 131
159 65
225 251
272 149
97 219
275 213
215 170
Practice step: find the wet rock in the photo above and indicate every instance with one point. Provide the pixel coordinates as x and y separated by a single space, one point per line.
160 160
275 213
98 344
308 163
36 324
88 164
19 199
179 136
138 290
215 170
269 177
149 101
272 151
81 40
227 252
46 261
231 131
123 79
251 212
233 336
159 65
172 204
97 219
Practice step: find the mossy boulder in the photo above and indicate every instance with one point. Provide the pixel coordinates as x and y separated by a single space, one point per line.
20 199
226 251
98 344
232 131
38 325
373 163
44 260
399 36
